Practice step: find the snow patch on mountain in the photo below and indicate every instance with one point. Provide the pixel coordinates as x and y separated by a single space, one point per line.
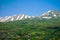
47 15
14 17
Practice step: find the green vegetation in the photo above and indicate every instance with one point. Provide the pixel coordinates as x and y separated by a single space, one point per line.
30 29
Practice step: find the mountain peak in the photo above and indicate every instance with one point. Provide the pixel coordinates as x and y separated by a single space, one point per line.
49 11
14 17
50 14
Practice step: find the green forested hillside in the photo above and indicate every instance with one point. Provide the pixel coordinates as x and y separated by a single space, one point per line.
30 29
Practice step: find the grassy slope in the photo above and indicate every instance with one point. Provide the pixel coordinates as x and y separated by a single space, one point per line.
34 29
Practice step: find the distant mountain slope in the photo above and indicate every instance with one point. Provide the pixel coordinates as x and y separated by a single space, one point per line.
47 15
14 17
50 14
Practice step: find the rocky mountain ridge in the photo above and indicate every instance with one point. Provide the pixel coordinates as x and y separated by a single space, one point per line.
47 15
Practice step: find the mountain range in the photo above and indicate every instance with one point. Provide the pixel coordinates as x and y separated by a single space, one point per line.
47 15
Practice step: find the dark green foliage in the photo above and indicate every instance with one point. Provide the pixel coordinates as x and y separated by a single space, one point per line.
33 29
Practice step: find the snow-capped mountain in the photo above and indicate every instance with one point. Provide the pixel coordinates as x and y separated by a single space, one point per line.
50 14
14 17
47 15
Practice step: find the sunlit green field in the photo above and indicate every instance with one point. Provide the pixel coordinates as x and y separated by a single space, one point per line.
27 29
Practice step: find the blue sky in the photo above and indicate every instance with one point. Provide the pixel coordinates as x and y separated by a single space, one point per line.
28 7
